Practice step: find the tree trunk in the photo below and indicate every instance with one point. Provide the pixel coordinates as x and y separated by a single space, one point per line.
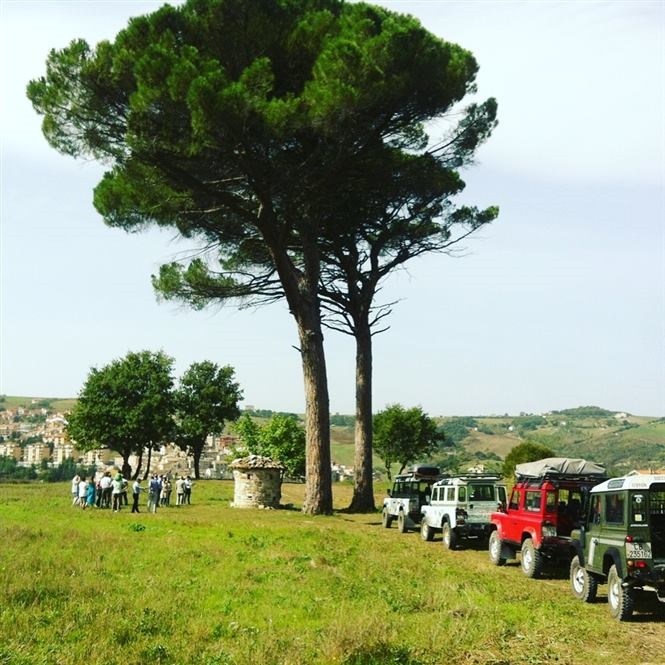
318 478
301 290
139 464
196 456
147 468
363 488
126 467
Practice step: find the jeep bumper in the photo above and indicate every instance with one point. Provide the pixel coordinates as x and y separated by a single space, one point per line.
556 548
647 577
473 530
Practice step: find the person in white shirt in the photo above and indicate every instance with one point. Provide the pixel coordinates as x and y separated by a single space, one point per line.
105 487
180 491
83 492
136 492
75 489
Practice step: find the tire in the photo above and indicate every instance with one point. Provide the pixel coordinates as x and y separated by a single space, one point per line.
495 546
386 519
532 560
426 532
401 523
449 537
620 600
583 585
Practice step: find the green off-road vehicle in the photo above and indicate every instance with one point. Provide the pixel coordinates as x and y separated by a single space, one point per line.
621 542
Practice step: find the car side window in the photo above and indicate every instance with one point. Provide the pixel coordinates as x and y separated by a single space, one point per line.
514 500
532 502
614 508
594 509
451 494
462 493
551 502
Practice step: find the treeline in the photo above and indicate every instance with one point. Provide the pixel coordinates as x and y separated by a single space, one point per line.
268 413
10 469
584 412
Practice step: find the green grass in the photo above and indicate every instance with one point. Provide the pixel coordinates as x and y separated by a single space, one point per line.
210 584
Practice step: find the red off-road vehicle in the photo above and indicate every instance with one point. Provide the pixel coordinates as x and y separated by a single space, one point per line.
546 504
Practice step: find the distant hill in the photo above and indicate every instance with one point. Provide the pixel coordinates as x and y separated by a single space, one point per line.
621 441
59 404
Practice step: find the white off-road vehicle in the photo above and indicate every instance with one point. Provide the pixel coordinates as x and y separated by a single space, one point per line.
409 494
460 507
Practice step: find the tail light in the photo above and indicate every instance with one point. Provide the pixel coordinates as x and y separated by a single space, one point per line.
636 564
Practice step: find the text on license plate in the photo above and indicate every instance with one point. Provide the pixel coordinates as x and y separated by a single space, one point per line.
638 550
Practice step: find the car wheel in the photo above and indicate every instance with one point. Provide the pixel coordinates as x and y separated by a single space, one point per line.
426 532
401 523
620 600
584 586
532 560
386 519
449 537
495 546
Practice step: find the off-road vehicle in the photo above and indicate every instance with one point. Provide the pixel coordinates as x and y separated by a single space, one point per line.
410 492
546 504
621 542
460 507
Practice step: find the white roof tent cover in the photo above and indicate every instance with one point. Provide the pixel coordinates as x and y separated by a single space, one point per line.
560 466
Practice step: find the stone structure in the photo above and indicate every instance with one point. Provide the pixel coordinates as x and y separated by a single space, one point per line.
258 482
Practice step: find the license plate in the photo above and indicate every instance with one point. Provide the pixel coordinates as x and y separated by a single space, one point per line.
638 550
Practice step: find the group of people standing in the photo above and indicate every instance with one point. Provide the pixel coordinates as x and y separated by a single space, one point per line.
105 492
111 491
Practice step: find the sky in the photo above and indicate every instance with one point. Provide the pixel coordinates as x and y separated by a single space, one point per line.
559 303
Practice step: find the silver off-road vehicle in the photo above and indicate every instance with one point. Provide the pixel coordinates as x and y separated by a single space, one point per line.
460 507
410 492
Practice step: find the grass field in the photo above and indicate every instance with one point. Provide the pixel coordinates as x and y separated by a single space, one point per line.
209 584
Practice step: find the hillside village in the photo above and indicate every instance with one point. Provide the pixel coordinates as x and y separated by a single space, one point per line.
35 435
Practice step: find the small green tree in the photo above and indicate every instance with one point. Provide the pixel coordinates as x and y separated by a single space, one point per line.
524 452
126 406
282 439
205 400
404 435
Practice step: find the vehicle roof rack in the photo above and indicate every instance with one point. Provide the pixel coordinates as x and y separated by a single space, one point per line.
473 475
560 468
421 472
